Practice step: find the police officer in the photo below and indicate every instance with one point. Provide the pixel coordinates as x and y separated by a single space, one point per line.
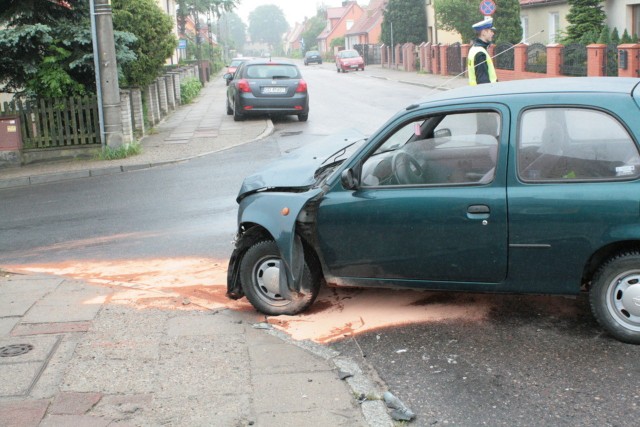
479 64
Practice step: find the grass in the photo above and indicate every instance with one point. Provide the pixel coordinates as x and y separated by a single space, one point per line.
122 152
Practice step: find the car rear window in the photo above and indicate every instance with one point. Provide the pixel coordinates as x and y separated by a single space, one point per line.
268 71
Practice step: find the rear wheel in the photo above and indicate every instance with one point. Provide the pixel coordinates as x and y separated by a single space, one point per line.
303 117
615 297
236 115
259 275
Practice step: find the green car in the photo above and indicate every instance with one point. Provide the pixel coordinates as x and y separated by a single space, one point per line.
529 186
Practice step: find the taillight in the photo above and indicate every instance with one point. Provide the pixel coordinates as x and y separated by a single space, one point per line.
302 87
243 86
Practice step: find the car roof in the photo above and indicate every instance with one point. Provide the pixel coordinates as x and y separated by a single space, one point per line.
268 62
564 85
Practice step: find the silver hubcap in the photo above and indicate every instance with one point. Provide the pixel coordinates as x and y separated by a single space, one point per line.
267 279
623 299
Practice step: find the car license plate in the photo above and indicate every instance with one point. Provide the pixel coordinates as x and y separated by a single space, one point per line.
274 90
353 66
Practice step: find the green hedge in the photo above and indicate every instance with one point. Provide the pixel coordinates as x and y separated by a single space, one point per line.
189 89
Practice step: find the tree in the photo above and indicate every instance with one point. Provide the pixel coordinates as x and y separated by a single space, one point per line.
232 31
586 19
409 20
313 27
460 15
507 20
155 39
457 16
267 24
47 48
193 8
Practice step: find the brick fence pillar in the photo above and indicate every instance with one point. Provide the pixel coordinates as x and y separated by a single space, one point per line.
554 60
596 59
444 69
520 58
632 66
435 59
409 56
397 51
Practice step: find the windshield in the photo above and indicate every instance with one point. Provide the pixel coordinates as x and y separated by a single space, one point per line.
349 54
268 71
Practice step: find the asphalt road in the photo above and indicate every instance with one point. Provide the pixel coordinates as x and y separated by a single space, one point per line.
533 361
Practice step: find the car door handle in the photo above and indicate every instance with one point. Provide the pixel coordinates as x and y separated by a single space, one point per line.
478 209
479 212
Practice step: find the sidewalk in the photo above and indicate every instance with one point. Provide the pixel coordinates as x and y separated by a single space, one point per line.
86 355
73 353
192 130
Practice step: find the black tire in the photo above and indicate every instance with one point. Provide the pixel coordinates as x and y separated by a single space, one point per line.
259 272
615 297
237 117
303 117
229 109
338 69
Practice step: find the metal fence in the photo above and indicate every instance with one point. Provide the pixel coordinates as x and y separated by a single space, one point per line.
536 58
504 56
371 53
454 59
574 61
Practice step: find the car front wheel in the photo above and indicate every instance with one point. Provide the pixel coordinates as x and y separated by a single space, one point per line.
260 278
615 297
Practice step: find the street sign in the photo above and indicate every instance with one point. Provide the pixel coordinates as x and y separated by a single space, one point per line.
182 44
487 7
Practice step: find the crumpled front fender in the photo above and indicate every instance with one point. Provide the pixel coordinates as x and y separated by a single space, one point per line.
277 213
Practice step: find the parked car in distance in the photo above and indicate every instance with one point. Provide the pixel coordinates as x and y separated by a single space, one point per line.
312 56
233 66
528 186
267 87
349 59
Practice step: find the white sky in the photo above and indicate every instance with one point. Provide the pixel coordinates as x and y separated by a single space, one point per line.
294 10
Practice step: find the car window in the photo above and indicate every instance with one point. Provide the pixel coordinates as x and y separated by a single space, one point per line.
574 144
447 149
267 71
348 54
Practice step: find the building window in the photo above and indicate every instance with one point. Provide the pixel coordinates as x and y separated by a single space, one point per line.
636 20
524 21
554 26
349 24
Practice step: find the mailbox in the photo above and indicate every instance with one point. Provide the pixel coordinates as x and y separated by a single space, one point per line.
10 135
623 59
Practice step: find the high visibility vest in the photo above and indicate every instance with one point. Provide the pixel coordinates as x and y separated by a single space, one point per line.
471 68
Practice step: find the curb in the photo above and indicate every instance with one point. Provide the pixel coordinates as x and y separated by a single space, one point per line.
375 410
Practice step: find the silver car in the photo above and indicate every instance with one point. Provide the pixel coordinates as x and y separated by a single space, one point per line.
267 87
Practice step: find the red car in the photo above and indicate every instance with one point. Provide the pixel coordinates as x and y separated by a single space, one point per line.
349 60
235 62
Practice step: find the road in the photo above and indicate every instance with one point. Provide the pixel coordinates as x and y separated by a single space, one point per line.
501 360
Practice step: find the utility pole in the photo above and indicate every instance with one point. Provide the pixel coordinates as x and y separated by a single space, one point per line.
108 75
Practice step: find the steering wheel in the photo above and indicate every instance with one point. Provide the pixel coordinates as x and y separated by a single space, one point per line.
406 169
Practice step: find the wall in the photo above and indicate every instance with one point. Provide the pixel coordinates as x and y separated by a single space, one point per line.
538 19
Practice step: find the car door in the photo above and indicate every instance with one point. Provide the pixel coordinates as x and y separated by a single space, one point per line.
447 223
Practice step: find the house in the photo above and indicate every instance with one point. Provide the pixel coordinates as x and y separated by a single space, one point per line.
293 39
543 21
435 34
169 7
623 14
368 28
339 21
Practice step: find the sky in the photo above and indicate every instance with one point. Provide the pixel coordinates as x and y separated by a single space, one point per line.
294 10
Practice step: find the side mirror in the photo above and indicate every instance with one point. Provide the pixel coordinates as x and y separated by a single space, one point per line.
228 76
349 179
